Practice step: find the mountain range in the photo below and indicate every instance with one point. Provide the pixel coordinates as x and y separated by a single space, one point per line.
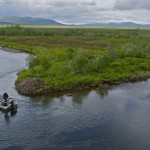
122 24
12 20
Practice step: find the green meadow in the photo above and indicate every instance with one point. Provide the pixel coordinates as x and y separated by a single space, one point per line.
79 57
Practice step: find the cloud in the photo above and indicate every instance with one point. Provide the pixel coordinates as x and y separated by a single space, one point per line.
79 11
53 9
132 4
64 3
32 7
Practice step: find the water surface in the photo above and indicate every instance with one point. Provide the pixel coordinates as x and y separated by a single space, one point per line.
117 119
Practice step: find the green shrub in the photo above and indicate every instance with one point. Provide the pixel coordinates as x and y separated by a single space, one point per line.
79 63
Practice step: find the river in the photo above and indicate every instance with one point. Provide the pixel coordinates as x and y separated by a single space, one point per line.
117 119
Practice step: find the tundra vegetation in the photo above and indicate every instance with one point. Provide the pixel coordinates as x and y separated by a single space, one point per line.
80 57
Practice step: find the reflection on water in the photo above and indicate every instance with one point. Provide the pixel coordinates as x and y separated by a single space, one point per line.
8 115
98 119
76 96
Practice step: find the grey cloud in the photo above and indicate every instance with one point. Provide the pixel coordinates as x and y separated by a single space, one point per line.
131 4
60 3
1 1
44 7
78 11
90 3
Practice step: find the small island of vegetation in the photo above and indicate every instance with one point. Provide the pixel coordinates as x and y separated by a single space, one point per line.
75 58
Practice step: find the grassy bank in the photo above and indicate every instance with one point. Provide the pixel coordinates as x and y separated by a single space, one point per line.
69 58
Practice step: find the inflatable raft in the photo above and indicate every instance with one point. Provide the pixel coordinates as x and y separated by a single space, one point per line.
12 106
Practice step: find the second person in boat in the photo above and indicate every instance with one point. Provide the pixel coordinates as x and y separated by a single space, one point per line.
6 99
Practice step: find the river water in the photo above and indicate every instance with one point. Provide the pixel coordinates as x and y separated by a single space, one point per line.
117 119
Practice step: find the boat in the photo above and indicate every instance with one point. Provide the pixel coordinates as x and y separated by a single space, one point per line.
12 106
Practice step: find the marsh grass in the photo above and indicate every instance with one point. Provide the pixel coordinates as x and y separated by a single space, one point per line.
79 57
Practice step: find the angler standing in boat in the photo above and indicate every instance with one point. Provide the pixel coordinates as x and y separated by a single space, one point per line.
6 99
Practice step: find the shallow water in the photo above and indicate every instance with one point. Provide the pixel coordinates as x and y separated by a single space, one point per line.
117 119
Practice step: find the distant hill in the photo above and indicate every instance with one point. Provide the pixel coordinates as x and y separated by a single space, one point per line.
122 24
5 20
11 20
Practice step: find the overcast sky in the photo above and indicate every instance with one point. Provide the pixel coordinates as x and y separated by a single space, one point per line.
79 11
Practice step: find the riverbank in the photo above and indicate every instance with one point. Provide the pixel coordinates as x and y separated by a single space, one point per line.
35 86
45 80
87 58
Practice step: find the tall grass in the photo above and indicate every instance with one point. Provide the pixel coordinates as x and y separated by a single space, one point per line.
81 56
73 31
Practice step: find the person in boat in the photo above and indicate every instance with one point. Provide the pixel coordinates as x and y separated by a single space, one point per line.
6 100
